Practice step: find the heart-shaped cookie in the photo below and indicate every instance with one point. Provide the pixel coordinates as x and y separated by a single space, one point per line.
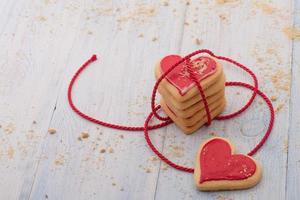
217 168
202 66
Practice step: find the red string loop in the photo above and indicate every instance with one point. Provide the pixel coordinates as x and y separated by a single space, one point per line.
166 120
203 97
96 121
188 57
252 152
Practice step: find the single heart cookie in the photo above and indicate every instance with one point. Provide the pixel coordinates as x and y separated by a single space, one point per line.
218 168
202 66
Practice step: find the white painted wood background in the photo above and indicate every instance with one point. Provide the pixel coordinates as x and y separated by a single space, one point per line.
43 42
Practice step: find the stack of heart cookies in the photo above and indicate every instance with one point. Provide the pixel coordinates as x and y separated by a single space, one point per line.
181 99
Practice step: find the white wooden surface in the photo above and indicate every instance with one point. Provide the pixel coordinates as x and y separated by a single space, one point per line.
44 42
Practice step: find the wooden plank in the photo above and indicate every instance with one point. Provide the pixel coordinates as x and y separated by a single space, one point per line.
45 41
32 61
293 176
251 33
128 38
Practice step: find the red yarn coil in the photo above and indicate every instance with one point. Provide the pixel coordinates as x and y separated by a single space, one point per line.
167 120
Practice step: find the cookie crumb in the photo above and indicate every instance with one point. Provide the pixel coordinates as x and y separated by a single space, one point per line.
198 41
225 1
213 133
148 170
60 160
51 131
102 151
265 7
111 150
273 98
279 107
10 152
113 184
154 39
153 158
9 129
122 189
90 32
177 151
141 35
42 18
85 135
165 3
292 33
34 122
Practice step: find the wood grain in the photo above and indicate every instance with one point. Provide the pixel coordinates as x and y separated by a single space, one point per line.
293 167
44 42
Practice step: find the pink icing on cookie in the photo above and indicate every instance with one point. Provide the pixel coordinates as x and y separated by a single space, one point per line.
217 162
179 77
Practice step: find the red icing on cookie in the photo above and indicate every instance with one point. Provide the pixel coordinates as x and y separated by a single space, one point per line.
217 162
179 77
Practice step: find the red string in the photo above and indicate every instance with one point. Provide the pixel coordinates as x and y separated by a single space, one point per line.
203 97
167 120
102 123
253 151
186 58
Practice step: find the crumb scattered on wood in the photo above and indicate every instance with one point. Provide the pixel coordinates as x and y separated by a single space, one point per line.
10 152
153 158
177 151
279 107
165 3
198 41
292 33
265 7
148 170
9 128
84 135
102 150
60 160
51 131
111 150
273 98
212 133
225 1
139 14
41 18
